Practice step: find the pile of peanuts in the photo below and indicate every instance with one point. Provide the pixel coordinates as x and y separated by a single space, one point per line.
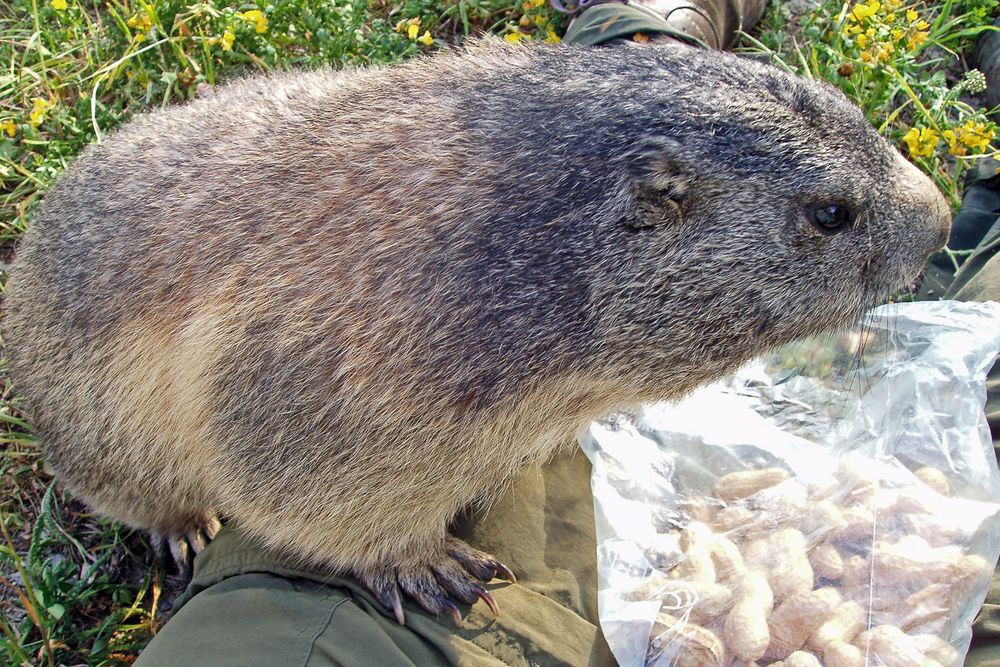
844 573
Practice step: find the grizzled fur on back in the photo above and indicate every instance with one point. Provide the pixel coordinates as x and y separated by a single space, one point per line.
337 307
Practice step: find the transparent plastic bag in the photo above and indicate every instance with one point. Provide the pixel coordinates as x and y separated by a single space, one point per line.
834 503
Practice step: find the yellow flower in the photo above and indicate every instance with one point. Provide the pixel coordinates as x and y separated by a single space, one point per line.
552 37
862 41
884 51
955 147
922 25
426 38
413 30
898 34
916 39
227 40
976 135
864 11
405 25
9 127
142 22
921 142
889 18
256 17
911 15
59 5
532 4
39 107
971 135
515 37
866 57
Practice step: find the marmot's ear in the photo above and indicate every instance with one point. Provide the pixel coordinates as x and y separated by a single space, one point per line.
658 194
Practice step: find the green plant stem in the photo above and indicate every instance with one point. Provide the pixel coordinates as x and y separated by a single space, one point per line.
904 84
40 48
15 641
30 594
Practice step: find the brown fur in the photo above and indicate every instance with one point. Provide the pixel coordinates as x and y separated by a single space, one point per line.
337 308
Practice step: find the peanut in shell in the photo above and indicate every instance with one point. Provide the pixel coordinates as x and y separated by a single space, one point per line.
802 659
746 632
797 618
843 624
683 644
744 483
826 562
935 479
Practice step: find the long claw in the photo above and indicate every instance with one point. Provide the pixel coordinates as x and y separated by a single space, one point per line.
397 610
485 596
161 550
212 527
437 582
198 541
503 572
386 591
453 612
181 552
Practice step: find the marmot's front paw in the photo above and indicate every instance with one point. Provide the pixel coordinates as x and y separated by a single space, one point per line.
182 546
436 582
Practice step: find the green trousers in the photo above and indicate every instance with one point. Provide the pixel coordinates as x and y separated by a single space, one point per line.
244 608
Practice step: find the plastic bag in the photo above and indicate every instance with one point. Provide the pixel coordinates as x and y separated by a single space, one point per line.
835 503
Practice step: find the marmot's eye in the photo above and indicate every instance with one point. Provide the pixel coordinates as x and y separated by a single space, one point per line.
831 217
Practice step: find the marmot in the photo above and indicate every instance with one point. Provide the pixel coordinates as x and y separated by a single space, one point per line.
338 307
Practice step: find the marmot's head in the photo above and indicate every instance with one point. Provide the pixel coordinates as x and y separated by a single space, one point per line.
755 207
655 216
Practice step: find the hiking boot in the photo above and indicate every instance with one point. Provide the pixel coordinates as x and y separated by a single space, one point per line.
706 23
714 22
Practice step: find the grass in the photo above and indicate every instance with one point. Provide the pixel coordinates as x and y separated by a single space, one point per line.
77 589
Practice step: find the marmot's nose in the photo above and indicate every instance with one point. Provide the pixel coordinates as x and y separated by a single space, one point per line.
941 218
930 209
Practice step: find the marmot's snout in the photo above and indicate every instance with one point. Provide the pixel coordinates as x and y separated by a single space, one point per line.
928 212
940 218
